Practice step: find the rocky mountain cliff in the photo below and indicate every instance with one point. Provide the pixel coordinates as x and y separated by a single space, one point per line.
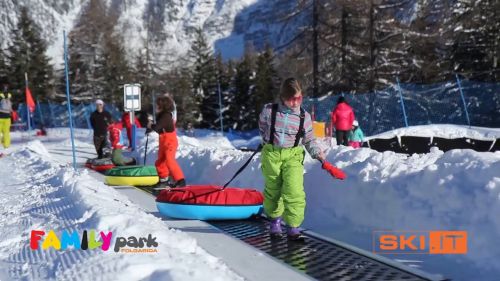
168 26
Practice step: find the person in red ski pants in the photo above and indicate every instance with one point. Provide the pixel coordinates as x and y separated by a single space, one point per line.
166 165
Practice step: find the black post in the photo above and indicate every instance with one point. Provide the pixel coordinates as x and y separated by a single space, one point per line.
146 148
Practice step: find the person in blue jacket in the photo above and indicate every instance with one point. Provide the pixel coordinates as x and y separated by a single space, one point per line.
356 136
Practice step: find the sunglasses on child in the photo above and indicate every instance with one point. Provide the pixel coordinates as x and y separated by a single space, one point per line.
295 99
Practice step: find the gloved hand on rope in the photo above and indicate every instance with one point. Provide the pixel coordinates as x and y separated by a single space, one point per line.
334 171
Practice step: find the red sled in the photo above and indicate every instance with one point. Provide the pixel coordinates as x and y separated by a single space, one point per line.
102 168
99 165
209 202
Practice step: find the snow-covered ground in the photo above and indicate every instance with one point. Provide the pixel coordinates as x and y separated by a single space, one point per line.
39 193
456 190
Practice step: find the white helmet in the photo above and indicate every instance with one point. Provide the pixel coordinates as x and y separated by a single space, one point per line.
355 123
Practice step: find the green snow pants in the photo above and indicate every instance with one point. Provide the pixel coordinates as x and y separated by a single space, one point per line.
119 160
5 132
283 170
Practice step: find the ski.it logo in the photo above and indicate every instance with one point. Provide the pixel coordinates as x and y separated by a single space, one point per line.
420 242
88 241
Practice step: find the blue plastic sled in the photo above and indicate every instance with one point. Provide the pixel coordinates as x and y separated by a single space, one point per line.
208 212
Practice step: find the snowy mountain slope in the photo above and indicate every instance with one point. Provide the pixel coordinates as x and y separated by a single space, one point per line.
168 25
266 22
52 16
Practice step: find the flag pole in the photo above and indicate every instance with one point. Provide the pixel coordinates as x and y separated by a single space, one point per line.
28 118
69 100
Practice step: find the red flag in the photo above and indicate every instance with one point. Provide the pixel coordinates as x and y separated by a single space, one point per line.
29 100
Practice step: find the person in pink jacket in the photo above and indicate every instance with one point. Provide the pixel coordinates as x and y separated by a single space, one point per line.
342 117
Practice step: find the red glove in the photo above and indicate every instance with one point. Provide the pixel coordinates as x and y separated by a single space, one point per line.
334 171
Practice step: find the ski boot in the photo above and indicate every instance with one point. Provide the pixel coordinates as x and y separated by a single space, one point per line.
275 228
163 184
294 234
180 183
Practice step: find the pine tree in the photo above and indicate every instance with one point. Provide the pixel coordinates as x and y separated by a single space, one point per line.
79 72
242 86
98 64
427 63
495 53
204 77
179 84
27 54
144 74
266 83
84 50
230 105
112 67
475 39
392 41
363 45
225 75
4 76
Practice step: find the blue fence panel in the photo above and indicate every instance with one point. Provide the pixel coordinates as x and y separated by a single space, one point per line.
483 103
376 112
56 115
425 104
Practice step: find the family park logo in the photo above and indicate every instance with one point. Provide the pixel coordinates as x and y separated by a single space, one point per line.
88 241
420 242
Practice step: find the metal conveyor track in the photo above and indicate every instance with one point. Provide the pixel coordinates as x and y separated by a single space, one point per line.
318 258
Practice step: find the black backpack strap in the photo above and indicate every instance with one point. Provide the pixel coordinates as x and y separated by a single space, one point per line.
301 132
274 112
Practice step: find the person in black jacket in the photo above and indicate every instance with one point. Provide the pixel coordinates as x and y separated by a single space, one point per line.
100 120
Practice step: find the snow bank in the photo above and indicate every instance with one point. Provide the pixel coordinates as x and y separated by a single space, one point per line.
252 143
38 194
37 147
206 160
456 190
442 131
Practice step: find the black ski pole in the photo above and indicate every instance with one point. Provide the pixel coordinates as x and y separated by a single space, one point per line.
146 149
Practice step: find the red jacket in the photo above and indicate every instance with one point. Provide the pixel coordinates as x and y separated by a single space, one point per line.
342 117
14 116
126 121
115 133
